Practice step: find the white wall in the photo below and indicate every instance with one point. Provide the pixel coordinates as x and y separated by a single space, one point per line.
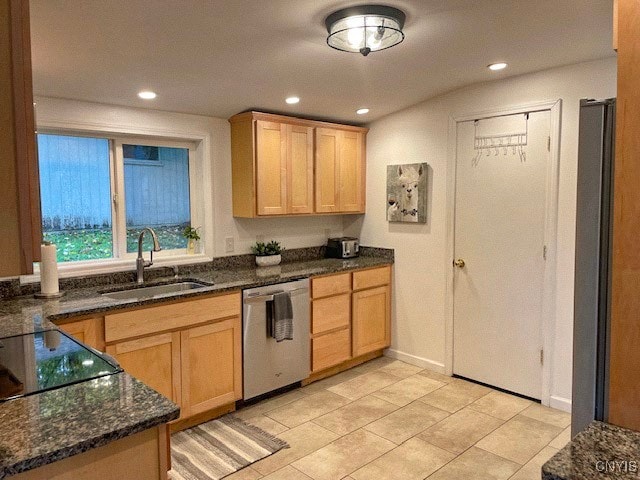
420 134
219 222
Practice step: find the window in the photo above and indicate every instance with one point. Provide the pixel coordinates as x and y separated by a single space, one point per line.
98 194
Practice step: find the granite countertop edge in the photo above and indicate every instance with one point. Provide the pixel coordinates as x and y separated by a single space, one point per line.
602 450
134 417
86 445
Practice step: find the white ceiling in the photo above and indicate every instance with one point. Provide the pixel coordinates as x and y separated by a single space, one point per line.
221 57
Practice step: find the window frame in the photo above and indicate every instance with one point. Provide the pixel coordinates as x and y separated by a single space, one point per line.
120 218
199 194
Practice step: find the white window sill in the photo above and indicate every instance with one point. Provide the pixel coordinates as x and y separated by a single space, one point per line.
93 267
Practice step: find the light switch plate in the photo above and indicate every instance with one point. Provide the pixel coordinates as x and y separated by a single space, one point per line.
228 244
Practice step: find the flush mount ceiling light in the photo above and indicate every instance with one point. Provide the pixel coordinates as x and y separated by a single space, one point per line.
362 111
365 28
147 95
497 66
292 100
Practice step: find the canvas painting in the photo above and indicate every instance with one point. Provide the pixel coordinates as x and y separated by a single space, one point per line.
407 193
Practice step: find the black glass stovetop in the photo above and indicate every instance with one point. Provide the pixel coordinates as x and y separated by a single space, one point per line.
40 361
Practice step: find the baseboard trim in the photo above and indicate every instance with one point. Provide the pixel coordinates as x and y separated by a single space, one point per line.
415 360
560 403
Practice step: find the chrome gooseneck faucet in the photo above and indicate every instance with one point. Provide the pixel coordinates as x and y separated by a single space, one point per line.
140 261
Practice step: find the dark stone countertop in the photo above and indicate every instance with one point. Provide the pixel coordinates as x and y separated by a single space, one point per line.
40 429
601 451
46 427
25 314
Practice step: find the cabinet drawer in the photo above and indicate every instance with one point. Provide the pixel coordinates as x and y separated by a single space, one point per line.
330 313
331 285
371 278
151 320
331 349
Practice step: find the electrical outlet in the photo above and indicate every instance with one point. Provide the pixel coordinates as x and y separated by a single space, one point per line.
259 238
228 244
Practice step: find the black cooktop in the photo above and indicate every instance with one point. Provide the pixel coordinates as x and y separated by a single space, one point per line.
40 361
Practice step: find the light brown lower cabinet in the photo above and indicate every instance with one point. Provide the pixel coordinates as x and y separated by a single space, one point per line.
211 363
89 331
196 361
370 320
154 360
350 316
198 368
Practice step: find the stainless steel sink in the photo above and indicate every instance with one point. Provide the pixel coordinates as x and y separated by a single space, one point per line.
140 293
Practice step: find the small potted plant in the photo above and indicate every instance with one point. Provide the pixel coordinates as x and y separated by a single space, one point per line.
267 254
192 236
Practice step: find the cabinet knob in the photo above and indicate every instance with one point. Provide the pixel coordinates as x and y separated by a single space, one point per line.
459 263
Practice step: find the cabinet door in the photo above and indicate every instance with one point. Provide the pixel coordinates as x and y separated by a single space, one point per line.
330 349
153 360
271 168
371 320
351 172
211 366
327 170
300 169
89 331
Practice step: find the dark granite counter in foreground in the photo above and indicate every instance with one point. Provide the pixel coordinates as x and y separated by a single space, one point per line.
40 429
602 451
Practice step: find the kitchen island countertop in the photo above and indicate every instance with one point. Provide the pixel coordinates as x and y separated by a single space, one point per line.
601 451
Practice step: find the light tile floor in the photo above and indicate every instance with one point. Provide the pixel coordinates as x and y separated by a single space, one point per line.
386 419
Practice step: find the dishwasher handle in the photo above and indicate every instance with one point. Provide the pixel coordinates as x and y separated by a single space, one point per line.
269 298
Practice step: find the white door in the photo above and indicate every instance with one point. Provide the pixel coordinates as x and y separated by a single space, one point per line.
499 234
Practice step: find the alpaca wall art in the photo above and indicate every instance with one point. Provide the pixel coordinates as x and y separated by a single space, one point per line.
407 193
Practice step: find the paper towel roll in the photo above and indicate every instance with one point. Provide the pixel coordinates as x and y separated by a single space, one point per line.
48 270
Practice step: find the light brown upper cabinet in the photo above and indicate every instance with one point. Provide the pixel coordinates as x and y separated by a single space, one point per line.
273 159
339 171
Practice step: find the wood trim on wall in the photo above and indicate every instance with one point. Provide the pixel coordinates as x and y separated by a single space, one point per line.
26 158
9 217
624 386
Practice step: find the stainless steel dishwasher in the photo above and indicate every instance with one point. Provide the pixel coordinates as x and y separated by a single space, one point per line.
267 364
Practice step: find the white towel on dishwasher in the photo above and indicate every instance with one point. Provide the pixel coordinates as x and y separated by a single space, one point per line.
282 317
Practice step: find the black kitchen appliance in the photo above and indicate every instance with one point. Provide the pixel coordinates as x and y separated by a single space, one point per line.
45 360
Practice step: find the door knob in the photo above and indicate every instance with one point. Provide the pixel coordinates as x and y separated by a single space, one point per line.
459 263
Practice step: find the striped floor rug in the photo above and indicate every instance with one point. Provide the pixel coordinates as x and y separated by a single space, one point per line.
219 448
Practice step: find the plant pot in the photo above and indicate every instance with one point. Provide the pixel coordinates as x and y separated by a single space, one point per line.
191 246
268 260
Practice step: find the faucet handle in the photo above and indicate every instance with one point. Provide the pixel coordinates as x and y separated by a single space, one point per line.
151 259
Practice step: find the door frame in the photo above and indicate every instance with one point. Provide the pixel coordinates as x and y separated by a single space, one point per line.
550 234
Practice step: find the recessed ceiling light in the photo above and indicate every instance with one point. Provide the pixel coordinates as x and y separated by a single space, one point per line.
362 111
497 66
292 100
147 95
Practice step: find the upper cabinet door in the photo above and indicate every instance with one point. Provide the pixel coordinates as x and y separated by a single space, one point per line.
351 172
299 169
327 170
271 168
294 166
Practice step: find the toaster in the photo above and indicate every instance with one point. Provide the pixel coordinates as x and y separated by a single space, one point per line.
342 247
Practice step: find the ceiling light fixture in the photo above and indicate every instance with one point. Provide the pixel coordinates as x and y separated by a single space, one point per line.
365 28
292 100
362 111
147 95
497 66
